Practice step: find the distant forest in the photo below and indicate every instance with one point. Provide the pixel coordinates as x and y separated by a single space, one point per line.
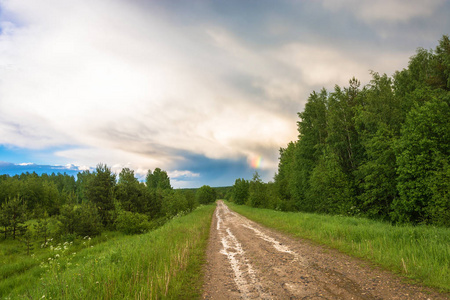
64 207
379 151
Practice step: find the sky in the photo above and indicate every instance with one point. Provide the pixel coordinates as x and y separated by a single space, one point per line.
207 90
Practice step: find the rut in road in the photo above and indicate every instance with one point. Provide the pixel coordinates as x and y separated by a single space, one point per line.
248 261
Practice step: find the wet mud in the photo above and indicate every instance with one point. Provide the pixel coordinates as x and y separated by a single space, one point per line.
248 261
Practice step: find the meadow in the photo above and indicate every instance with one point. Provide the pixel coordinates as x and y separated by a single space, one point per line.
419 253
165 263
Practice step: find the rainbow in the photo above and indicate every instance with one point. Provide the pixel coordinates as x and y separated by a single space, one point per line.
255 162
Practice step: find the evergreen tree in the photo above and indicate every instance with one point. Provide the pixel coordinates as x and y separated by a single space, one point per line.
13 217
128 192
100 192
84 179
41 228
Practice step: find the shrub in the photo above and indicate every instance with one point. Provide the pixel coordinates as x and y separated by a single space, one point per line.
132 223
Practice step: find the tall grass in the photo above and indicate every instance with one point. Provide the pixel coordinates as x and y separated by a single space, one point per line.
164 263
421 253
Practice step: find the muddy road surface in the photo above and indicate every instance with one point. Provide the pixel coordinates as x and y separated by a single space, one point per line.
248 261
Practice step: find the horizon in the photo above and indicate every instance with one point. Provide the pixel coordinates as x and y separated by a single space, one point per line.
207 90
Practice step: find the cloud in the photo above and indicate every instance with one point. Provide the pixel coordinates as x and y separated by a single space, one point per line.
13 169
142 84
125 89
183 174
386 10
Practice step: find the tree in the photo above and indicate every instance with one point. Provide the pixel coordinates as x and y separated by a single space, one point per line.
132 223
84 179
240 191
313 135
257 192
422 158
27 239
128 191
100 192
80 219
191 200
330 187
158 179
284 179
68 218
343 138
378 122
205 195
13 217
88 221
41 228
174 202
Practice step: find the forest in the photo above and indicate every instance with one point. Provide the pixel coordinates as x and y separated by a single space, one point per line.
42 207
379 151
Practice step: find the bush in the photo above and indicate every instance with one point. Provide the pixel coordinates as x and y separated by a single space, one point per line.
132 223
205 195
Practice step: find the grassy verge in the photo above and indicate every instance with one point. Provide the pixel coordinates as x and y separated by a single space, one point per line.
421 253
164 264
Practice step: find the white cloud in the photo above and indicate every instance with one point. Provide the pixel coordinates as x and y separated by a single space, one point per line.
321 65
184 173
386 10
125 85
116 82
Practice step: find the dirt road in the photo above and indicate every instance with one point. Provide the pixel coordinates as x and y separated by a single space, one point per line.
248 261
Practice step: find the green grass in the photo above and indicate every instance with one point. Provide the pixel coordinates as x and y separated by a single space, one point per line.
421 253
165 264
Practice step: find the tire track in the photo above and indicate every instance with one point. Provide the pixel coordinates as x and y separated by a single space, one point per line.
248 261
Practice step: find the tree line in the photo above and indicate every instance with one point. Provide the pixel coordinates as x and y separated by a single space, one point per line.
380 151
61 205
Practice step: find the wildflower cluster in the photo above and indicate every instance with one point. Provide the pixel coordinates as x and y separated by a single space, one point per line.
54 263
88 238
44 245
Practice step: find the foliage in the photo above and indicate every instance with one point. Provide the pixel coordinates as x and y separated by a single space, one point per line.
82 220
205 195
158 179
131 194
423 158
13 217
131 223
175 202
166 263
379 151
240 191
257 192
100 192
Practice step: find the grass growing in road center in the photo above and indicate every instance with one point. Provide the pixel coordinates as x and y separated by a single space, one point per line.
163 264
421 253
